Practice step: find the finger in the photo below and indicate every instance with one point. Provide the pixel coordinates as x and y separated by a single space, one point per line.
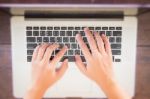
80 64
91 40
62 69
59 55
42 51
83 47
107 45
49 51
99 42
35 53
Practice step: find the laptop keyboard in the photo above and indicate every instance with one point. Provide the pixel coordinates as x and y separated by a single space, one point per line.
66 36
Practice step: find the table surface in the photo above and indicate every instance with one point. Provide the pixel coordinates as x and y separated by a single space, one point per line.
142 88
78 1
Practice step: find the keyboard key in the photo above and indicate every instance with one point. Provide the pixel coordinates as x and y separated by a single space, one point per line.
68 45
118 39
63 58
48 33
70 52
31 39
65 39
29 58
69 33
77 52
29 28
71 58
108 33
117 33
52 39
30 52
55 33
35 33
56 51
43 28
104 28
61 45
116 46
111 39
72 39
70 28
117 60
116 52
82 33
73 46
85 39
36 28
29 33
39 39
113 58
62 33
46 39
118 28
83 28
77 28
102 32
75 33
42 33
59 39
97 28
49 28
31 46
56 28
111 28
91 28
63 28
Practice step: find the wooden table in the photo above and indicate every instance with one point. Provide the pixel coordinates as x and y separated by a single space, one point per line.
142 65
78 1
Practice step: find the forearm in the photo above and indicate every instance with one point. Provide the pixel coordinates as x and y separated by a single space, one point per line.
115 91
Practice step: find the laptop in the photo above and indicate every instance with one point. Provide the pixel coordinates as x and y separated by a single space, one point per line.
31 26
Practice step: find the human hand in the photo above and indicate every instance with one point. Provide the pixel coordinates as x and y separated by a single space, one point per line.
44 72
99 62
99 66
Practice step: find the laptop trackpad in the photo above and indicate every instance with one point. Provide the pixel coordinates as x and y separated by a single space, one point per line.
74 81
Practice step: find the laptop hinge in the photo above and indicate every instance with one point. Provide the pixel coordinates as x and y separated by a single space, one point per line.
77 15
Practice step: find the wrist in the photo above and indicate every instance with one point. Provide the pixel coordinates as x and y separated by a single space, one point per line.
113 90
34 92
107 83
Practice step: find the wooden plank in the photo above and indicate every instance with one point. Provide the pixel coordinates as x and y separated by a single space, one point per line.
78 1
5 72
144 29
4 28
143 73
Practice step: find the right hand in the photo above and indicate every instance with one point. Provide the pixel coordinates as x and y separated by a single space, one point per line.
99 62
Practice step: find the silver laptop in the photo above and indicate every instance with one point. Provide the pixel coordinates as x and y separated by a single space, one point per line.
31 26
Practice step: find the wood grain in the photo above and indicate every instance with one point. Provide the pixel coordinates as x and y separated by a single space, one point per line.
144 29
78 1
142 73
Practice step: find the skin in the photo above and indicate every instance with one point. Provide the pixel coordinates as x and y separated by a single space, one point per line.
99 67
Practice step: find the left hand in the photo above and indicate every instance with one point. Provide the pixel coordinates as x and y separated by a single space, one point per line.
44 72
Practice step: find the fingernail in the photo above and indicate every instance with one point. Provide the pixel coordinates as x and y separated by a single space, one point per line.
66 47
77 35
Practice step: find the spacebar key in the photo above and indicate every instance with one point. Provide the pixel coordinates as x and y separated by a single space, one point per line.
71 58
